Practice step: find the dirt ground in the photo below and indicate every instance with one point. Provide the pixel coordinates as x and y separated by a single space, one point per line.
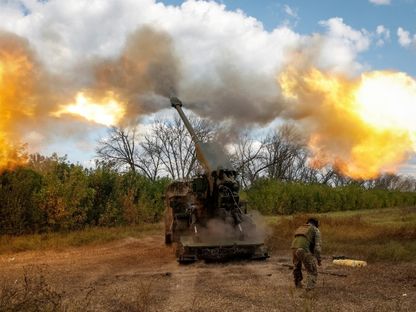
143 275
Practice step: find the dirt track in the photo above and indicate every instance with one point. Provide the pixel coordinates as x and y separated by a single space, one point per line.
142 275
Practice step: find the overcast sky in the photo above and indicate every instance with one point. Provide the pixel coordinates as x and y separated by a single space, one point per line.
253 36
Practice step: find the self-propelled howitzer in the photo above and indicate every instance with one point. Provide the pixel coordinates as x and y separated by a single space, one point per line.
204 215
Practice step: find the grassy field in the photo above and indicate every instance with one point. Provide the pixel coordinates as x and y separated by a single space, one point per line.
127 277
372 235
60 241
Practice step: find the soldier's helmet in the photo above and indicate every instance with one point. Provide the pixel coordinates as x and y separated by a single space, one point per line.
313 221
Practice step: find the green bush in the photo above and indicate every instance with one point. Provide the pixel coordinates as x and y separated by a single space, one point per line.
64 197
19 212
55 195
52 194
272 197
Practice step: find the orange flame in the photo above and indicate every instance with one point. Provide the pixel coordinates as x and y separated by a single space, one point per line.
26 102
108 111
14 105
361 126
11 156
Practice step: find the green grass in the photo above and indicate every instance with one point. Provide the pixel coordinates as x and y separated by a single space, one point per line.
372 235
60 241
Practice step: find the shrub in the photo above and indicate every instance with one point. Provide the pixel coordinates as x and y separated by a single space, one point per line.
19 212
273 197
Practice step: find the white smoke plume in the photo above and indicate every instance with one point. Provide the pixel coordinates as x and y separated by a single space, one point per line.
223 64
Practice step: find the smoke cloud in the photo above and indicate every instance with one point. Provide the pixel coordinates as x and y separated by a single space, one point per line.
30 94
254 229
146 68
223 64
25 95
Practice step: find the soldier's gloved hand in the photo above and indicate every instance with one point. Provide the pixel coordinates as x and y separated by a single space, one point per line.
319 262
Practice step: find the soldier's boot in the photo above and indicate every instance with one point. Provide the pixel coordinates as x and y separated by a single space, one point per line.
297 276
311 281
298 281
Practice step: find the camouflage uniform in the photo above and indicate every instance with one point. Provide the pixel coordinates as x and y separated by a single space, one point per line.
306 246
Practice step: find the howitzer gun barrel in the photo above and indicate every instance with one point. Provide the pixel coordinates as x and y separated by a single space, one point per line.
177 104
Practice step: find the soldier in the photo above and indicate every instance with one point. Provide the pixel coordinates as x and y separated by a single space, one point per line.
306 246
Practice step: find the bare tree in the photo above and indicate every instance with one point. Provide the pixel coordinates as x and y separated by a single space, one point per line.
246 158
166 150
121 149
280 155
393 182
284 154
150 156
173 142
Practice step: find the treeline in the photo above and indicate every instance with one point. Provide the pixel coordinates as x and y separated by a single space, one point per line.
128 182
272 197
51 194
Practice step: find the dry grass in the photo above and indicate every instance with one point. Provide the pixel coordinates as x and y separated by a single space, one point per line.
33 292
30 293
60 241
126 276
141 297
386 234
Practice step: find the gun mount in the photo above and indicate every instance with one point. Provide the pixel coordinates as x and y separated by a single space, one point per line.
204 216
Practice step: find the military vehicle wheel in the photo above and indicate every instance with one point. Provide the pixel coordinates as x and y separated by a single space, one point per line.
182 256
168 239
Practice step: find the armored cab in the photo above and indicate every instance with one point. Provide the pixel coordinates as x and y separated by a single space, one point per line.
204 215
